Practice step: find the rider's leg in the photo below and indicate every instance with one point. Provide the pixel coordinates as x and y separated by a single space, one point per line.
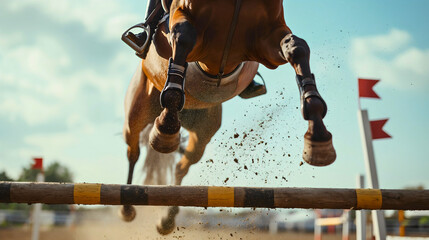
151 5
254 89
154 13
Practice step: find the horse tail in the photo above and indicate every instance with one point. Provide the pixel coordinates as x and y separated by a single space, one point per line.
158 167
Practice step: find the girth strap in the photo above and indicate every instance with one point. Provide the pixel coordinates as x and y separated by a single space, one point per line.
229 41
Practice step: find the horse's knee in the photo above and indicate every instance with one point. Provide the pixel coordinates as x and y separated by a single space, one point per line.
184 36
295 48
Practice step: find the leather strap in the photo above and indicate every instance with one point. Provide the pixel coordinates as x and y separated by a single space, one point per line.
229 41
151 18
304 95
308 81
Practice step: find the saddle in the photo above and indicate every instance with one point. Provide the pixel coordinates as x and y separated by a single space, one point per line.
141 43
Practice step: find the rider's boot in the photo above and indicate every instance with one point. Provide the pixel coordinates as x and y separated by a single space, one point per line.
154 13
254 89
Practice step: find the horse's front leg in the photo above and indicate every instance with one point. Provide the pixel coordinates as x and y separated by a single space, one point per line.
318 148
165 135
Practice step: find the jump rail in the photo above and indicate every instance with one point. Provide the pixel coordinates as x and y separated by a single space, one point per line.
202 196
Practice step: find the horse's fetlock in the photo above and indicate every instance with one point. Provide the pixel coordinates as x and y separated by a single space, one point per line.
133 154
172 99
295 47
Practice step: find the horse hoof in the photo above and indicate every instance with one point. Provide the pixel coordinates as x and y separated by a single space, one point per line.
319 153
162 142
166 226
127 213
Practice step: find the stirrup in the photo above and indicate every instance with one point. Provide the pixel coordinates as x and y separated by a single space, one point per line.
304 95
141 51
174 69
254 91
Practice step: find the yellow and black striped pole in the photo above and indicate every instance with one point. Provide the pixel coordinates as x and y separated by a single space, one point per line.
203 196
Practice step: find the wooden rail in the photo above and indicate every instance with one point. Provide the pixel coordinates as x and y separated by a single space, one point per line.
201 196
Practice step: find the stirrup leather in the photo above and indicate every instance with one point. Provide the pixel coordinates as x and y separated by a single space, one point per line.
180 71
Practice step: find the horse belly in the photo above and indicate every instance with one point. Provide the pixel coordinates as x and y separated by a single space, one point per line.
197 94
246 76
204 88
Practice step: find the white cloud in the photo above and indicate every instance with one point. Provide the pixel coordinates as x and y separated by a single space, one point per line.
35 87
41 55
31 81
107 18
392 58
64 101
391 42
11 39
415 60
29 108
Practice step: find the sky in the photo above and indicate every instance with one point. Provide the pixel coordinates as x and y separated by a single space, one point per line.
64 73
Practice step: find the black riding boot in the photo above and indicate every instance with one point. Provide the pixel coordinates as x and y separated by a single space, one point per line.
154 13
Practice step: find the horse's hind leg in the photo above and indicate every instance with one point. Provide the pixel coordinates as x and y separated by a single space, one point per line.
140 111
318 148
202 125
165 135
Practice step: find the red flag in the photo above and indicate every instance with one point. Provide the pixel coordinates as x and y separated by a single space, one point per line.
377 129
365 88
38 163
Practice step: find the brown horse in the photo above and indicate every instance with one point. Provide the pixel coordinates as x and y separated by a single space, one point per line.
223 41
